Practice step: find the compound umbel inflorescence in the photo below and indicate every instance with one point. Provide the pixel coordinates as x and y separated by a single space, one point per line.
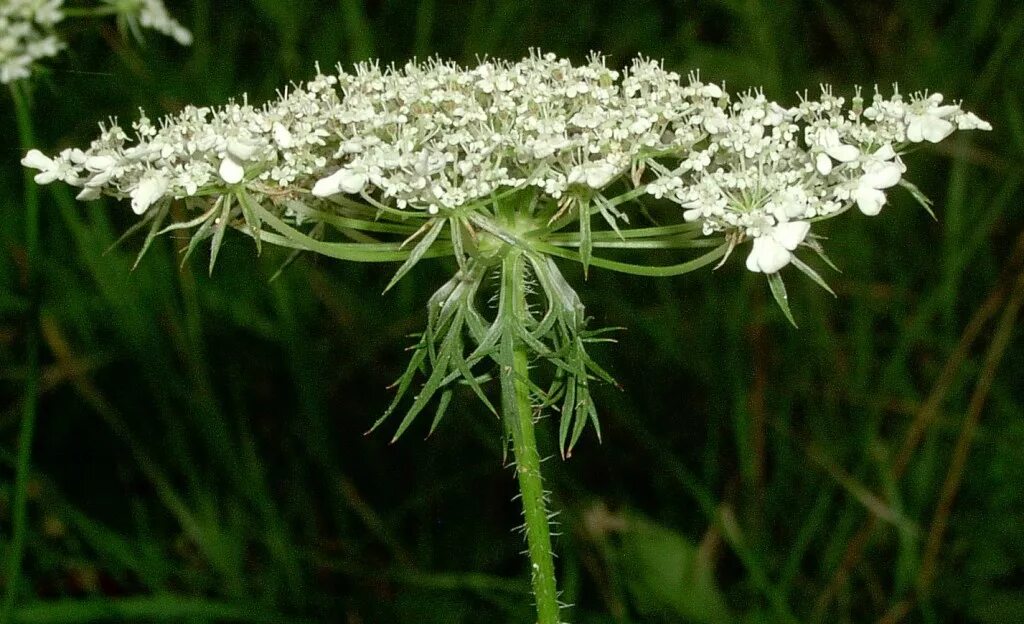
433 137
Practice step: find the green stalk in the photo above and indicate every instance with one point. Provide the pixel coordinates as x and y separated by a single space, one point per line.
518 415
30 402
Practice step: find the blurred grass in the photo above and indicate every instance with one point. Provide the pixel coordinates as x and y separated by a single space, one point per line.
200 455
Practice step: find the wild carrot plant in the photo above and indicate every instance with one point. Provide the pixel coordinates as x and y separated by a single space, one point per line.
511 170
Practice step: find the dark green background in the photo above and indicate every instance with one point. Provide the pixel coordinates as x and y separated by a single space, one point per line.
200 446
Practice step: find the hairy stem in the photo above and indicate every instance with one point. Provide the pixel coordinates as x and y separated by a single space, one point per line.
518 414
30 402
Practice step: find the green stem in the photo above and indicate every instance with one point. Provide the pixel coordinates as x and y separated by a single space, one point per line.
30 403
518 415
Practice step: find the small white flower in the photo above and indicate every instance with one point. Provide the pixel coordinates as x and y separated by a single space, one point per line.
62 168
970 121
241 151
150 190
282 136
49 170
929 123
596 175
773 248
877 176
237 153
833 149
790 203
100 164
342 181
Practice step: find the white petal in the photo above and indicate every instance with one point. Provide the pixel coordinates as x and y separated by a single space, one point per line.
970 121
352 183
35 159
99 163
230 171
869 200
823 163
791 234
828 137
341 181
100 179
600 175
282 136
886 152
915 130
767 256
691 215
882 176
714 125
46 177
937 129
241 151
640 126
944 111
843 152
713 91
147 193
331 185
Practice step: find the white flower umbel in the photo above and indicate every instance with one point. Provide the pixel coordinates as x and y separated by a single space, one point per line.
435 138
27 33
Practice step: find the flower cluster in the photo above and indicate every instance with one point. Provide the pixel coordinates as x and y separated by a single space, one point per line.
768 172
26 35
27 29
436 138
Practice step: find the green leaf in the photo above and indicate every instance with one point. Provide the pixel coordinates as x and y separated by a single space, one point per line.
154 230
219 227
430 387
919 196
692 229
418 251
638 269
134 229
442 408
816 245
354 252
252 218
811 273
781 298
186 225
418 356
568 412
586 242
346 222
204 232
